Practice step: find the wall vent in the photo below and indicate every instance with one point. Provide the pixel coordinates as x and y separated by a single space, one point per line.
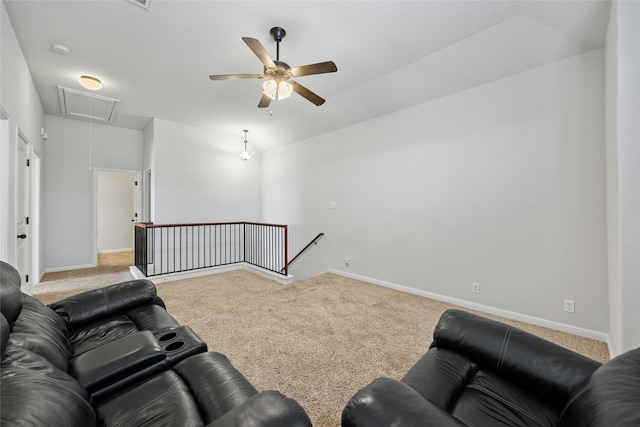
87 105
145 4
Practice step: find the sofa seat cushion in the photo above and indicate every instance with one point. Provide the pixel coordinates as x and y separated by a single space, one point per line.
489 400
203 389
195 392
164 399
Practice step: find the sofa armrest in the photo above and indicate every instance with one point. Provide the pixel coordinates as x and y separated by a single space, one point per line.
387 402
116 360
86 307
266 409
536 364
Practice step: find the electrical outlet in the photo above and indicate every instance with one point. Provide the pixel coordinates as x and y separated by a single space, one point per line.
347 262
569 306
475 287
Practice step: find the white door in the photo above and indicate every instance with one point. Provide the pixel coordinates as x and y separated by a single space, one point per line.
22 213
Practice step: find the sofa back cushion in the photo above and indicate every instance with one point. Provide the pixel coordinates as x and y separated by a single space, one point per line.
5 330
84 308
609 397
10 294
41 330
33 392
551 371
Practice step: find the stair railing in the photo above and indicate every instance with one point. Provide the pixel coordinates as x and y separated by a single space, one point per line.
171 248
313 241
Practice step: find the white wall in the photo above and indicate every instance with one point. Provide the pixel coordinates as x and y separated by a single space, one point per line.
194 181
115 211
623 174
70 220
21 103
503 184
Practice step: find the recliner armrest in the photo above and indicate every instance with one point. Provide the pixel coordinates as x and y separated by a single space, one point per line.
609 397
267 409
85 307
116 360
387 402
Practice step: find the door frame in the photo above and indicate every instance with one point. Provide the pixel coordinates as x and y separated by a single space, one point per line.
36 215
137 201
23 257
6 188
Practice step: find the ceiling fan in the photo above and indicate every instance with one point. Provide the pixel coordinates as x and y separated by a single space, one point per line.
279 73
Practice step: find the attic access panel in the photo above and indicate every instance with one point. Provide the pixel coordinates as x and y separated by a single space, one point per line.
145 4
87 105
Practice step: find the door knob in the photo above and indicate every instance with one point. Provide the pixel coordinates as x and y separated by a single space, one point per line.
22 236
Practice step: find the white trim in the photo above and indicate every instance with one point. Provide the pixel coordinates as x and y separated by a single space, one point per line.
35 217
576 330
6 199
96 169
612 353
70 267
113 251
283 280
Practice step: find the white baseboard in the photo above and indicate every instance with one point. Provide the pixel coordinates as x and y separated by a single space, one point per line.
284 280
576 330
113 251
70 267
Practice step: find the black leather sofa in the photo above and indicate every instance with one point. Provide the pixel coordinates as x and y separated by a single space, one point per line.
482 373
116 357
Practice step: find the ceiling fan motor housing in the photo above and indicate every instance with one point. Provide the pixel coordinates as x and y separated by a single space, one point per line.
278 33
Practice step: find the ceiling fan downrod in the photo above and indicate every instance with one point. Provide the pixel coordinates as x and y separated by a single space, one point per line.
278 34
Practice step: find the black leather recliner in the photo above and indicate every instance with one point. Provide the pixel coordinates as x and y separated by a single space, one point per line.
116 357
483 373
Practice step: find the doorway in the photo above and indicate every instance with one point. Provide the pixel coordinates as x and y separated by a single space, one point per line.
117 205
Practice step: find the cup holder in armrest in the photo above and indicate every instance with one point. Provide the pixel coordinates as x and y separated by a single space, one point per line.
179 343
176 345
167 336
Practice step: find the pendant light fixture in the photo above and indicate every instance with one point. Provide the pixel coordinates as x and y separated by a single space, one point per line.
244 154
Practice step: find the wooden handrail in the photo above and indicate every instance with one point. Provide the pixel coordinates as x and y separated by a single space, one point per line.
314 240
199 224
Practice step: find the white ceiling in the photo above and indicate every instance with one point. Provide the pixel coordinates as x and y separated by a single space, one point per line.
390 55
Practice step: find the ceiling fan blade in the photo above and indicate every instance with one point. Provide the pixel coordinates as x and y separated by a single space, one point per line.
260 51
235 76
264 101
306 93
319 68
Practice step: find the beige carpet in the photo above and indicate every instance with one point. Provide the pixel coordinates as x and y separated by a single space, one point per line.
318 340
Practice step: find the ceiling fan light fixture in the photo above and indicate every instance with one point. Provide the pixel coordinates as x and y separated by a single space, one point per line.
90 82
269 88
245 154
284 90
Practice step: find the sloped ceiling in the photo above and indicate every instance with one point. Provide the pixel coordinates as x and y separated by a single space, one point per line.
390 55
